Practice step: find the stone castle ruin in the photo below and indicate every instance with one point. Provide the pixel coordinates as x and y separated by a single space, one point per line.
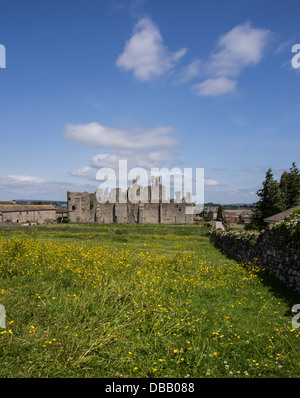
137 205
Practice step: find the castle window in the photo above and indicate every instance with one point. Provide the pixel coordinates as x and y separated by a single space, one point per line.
73 207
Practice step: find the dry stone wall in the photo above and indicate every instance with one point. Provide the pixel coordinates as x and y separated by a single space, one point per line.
277 249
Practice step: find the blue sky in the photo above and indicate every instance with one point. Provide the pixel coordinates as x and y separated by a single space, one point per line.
162 83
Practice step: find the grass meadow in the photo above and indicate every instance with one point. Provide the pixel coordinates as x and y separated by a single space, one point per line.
139 301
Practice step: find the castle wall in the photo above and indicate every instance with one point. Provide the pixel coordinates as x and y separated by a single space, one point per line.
84 207
175 213
105 213
150 213
121 213
133 213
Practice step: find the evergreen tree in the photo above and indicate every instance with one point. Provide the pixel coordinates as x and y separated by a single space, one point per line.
290 187
220 213
284 187
271 201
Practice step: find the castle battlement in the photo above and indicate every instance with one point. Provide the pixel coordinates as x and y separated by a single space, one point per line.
137 205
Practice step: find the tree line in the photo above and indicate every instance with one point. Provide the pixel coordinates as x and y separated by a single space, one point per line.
276 196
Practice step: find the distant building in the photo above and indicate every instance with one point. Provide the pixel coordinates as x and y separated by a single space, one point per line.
10 202
235 216
245 216
211 214
20 214
231 216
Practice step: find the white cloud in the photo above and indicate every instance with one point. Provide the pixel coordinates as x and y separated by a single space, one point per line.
145 54
241 47
23 179
257 169
284 46
144 149
105 160
211 182
189 72
96 135
215 87
85 171
34 188
140 147
147 57
134 159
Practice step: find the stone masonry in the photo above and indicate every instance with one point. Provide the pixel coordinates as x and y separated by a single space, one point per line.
276 249
137 205
20 214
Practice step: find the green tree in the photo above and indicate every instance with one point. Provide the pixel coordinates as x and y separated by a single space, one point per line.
271 201
220 213
290 187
